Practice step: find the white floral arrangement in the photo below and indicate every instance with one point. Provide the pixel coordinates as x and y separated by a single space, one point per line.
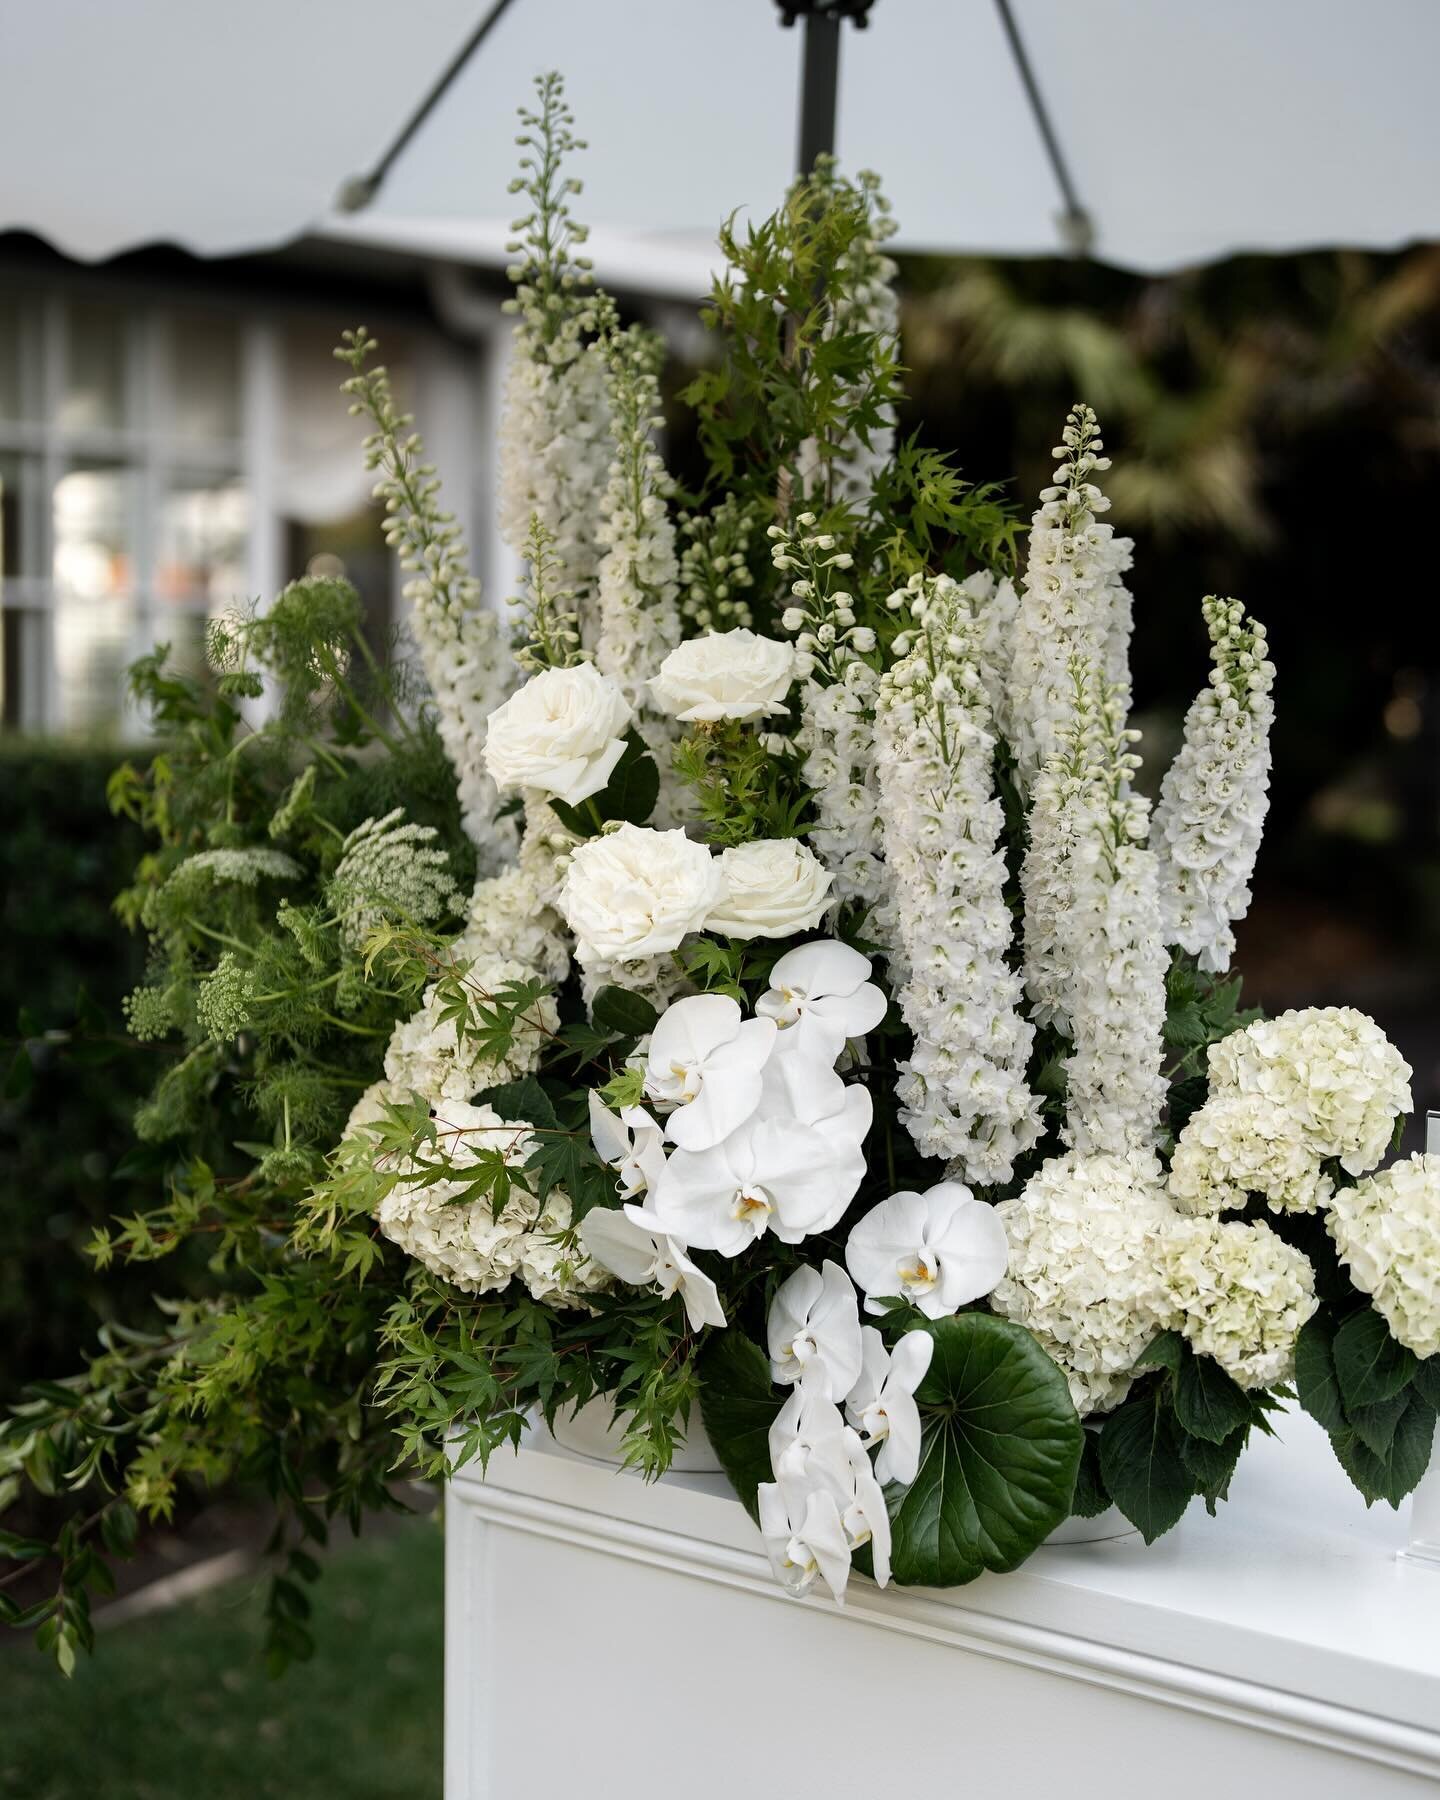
837 1049
926 1092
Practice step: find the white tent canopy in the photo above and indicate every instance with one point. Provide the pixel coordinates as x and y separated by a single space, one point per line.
1192 128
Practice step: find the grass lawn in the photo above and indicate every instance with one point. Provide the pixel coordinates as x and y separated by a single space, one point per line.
178 1707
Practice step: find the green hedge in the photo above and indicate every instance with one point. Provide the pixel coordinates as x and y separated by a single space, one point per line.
65 1115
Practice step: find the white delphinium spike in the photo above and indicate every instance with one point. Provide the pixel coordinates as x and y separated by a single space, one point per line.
996 606
1073 602
1214 797
513 915
963 1093
555 438
639 618
460 642
1111 944
837 689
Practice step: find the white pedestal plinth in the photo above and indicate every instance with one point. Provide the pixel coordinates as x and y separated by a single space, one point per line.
608 1639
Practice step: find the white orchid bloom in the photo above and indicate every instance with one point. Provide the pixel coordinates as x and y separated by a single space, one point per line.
823 994
624 1243
813 1332
939 1250
805 1537
800 1080
881 1405
630 1142
705 1060
813 1450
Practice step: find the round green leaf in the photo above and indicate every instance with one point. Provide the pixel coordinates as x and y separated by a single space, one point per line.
998 1460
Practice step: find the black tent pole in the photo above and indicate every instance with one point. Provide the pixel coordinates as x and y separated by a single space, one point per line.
819 70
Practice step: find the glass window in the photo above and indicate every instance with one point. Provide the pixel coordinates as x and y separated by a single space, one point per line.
21 498
95 350
93 508
204 528
20 396
204 356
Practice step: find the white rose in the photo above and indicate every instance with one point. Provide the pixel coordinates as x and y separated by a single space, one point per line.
773 888
726 675
637 892
563 733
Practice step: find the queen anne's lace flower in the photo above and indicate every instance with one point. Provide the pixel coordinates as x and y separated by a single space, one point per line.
1086 1237
1074 604
390 870
963 1092
463 1240
1240 1294
1387 1232
1214 796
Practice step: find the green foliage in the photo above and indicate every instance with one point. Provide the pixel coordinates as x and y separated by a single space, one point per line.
999 1456
1376 1399
628 797
739 1404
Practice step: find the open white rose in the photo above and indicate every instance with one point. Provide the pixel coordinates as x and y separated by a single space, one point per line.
774 887
725 675
563 733
637 892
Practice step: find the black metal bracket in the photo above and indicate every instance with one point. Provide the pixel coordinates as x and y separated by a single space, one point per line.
856 11
820 69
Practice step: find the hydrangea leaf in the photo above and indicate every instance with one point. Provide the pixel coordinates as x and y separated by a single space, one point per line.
1369 1365
1211 1465
1142 1462
738 1404
999 1455
1397 1473
1316 1382
1209 1404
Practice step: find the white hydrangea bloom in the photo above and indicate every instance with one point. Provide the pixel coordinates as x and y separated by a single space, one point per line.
1073 605
1387 1232
1331 1069
463 1241
1086 1238
1237 1144
837 692
558 1274
963 1092
1240 1295
639 572
427 1056
1214 797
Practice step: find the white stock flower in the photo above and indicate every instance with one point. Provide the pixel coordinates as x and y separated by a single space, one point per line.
938 1250
625 1243
725 675
1211 812
462 1240
636 892
774 887
821 996
813 1332
1387 1233
1086 1238
563 733
773 1174
705 1060
630 1142
963 1092
881 1405
1240 1294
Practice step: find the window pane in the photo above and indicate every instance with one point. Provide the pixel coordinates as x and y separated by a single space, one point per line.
23 638
21 499
94 643
204 378
19 359
93 508
203 535
94 396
